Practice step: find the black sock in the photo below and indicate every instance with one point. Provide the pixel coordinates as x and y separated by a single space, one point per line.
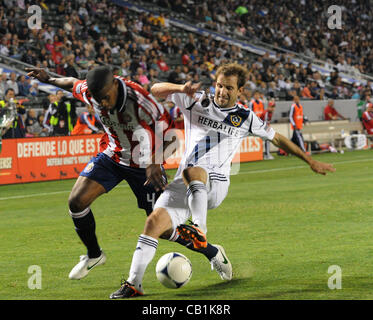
85 227
210 251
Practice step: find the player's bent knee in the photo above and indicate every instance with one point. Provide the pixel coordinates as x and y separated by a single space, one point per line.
157 223
76 204
84 192
194 173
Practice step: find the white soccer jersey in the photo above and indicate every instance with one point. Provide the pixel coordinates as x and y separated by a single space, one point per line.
214 134
131 128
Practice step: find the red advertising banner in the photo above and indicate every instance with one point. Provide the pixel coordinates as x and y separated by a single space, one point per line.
55 158
42 159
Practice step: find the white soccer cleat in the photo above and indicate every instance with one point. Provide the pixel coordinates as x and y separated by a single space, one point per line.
85 265
222 264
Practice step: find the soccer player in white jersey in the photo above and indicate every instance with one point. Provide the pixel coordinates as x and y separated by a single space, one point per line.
129 115
214 129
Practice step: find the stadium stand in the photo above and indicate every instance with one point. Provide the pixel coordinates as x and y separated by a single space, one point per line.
151 40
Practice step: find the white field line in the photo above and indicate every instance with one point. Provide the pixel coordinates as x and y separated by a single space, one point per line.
42 194
241 172
300 167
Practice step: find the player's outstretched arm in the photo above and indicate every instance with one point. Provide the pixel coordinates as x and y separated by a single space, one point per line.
163 89
317 166
66 83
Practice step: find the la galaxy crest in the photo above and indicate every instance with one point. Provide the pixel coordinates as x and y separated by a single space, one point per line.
235 120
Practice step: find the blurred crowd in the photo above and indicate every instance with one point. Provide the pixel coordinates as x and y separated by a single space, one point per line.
145 48
298 26
57 117
140 46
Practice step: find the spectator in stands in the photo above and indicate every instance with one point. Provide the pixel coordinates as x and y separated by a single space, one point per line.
24 35
12 83
3 84
315 90
185 58
17 129
23 86
57 57
34 125
174 76
29 57
64 118
34 89
141 77
4 47
49 46
48 33
153 76
39 129
330 113
306 92
162 64
48 121
88 122
125 68
30 122
367 118
70 67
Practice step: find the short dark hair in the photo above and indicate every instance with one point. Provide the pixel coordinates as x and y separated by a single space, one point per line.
98 78
233 69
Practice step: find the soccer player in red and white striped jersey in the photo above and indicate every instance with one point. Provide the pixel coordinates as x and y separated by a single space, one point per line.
134 124
135 115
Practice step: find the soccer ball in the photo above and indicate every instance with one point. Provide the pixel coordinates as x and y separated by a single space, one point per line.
174 270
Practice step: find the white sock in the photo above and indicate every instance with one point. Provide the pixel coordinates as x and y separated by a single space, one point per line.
143 255
197 202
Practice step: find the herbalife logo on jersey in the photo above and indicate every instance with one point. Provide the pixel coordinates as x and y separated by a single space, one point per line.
222 127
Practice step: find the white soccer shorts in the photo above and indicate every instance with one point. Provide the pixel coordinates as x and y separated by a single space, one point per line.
174 198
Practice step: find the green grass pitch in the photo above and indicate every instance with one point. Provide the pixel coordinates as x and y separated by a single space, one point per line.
282 227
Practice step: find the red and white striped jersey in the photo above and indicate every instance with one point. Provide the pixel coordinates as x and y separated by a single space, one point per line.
135 129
